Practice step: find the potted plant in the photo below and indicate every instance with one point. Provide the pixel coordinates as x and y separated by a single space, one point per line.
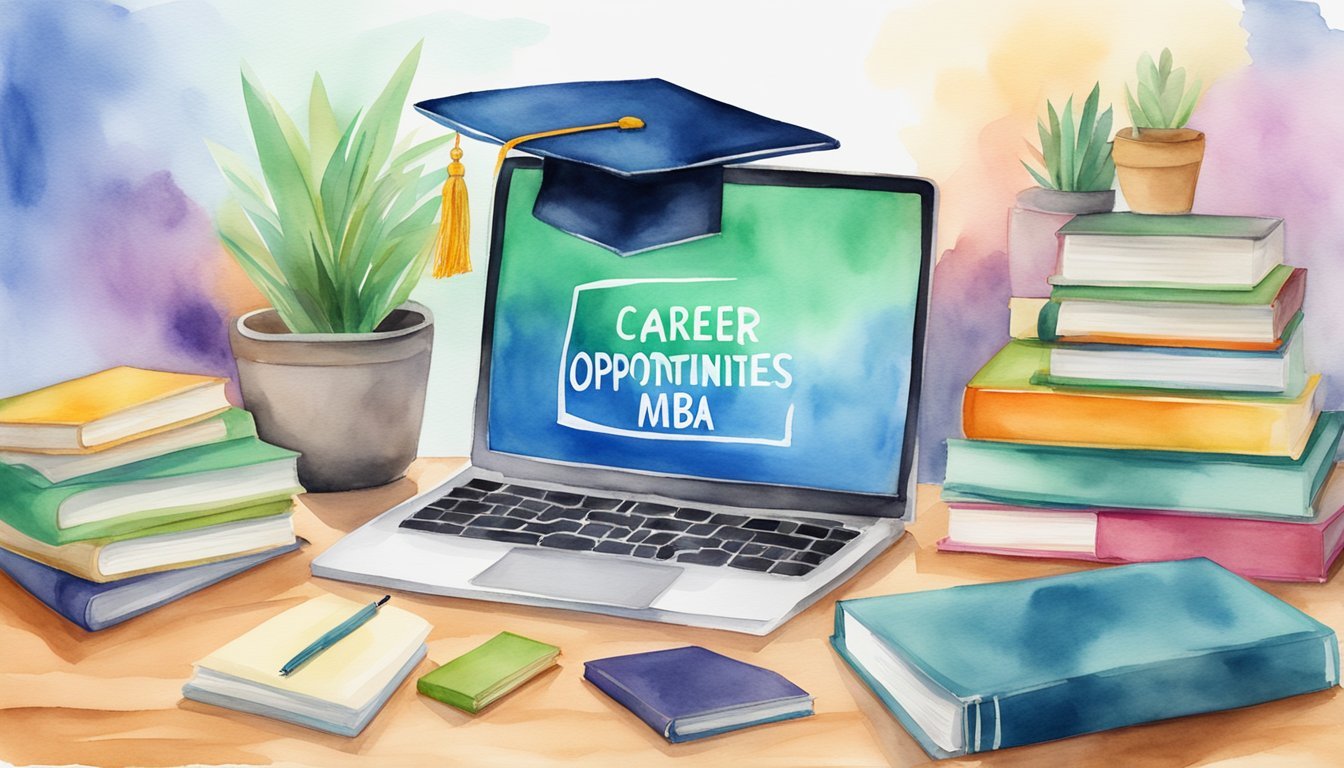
1158 158
335 238
1075 176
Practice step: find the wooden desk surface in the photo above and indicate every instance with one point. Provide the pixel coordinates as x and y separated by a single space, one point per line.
114 698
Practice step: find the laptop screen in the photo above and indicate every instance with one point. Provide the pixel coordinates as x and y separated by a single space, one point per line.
779 352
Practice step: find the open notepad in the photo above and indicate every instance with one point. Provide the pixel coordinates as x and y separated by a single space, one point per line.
339 691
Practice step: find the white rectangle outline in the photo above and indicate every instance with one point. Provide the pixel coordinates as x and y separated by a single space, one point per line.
566 419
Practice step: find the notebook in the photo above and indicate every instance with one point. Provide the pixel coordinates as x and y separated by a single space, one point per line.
479 677
339 691
990 666
708 425
692 692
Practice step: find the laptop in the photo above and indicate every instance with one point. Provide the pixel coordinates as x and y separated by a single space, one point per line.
714 434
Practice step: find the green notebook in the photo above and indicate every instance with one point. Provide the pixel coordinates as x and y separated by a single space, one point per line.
1262 294
480 676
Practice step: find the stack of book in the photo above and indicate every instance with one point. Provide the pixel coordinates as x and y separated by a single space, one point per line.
128 488
1157 406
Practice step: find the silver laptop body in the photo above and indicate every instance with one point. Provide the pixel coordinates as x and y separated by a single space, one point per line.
702 487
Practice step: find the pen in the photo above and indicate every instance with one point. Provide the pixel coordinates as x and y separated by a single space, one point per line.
332 636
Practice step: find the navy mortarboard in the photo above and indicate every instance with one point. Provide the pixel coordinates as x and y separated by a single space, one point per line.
630 165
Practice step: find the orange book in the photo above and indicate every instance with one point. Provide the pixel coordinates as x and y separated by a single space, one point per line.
106 408
1003 403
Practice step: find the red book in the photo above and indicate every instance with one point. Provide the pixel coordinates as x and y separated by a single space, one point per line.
1259 549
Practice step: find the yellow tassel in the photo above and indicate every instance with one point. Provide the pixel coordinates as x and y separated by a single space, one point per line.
452 256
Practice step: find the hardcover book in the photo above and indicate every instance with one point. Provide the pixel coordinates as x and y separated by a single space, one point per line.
1004 402
339 691
1126 366
178 544
489 671
1233 252
93 606
190 483
1224 485
106 408
55 468
1257 549
691 692
991 666
1253 319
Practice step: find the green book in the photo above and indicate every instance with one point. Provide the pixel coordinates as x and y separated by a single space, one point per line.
480 676
1192 251
1263 293
177 486
179 544
1187 225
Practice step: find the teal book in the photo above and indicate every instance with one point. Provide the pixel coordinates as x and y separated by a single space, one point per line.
1227 485
181 485
991 666
1191 251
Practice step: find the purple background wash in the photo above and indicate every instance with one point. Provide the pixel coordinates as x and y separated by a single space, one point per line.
103 259
106 260
1274 149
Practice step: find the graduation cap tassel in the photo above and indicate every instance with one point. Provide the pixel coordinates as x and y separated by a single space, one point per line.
451 254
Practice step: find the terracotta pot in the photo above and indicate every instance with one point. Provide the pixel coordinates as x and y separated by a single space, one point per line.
1158 170
1032 224
350 403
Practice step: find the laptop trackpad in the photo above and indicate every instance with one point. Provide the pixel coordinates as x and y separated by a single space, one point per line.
584 579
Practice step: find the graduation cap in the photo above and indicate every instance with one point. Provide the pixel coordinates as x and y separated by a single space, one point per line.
630 165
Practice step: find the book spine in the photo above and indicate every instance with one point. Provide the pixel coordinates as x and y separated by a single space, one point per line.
1289 301
1111 420
1257 549
641 709
1226 679
61 592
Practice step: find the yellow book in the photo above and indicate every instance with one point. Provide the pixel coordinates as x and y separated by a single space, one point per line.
1003 401
106 408
339 690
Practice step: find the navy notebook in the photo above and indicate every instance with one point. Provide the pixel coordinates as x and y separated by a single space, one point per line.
690 693
989 666
98 606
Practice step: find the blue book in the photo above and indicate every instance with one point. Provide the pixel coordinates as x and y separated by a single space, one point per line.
690 693
95 606
990 666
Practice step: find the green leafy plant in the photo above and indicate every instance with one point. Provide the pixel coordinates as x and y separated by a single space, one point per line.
343 227
1075 156
1164 101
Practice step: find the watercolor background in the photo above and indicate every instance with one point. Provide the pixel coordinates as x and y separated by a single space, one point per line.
107 252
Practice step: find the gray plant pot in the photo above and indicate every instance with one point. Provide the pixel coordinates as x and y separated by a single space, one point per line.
350 403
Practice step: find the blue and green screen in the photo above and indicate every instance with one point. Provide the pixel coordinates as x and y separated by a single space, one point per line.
778 351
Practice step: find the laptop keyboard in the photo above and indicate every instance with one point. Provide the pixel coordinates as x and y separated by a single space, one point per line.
516 514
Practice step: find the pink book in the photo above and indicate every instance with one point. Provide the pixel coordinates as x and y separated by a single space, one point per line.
1259 549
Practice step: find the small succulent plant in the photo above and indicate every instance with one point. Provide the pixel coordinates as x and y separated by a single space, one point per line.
1075 155
1163 100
